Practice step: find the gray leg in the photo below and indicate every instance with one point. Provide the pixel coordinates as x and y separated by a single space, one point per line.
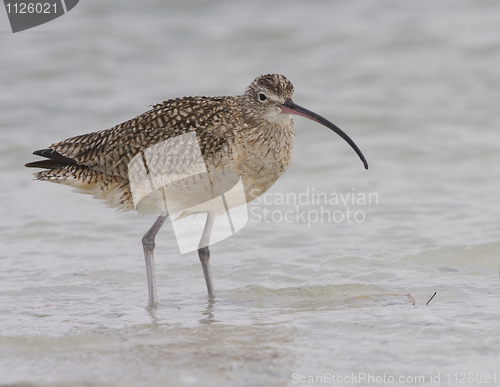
148 243
204 253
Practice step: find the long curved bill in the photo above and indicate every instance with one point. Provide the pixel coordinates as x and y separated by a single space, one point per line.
290 107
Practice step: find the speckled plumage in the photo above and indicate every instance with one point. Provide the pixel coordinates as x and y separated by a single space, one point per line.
240 133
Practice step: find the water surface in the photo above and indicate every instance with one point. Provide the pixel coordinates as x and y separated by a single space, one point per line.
415 85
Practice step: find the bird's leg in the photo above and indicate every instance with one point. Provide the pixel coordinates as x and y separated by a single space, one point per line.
204 253
148 243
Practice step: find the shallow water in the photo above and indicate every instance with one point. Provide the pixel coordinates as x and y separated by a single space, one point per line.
417 86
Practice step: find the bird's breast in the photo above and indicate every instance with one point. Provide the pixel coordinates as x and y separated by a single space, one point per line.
264 155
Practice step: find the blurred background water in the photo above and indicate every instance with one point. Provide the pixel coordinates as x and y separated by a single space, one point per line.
415 84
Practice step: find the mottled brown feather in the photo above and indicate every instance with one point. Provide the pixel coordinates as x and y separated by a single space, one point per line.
233 133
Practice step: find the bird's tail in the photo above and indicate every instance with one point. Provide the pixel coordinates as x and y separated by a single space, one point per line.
53 160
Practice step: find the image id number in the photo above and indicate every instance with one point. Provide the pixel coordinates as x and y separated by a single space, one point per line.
472 378
31 8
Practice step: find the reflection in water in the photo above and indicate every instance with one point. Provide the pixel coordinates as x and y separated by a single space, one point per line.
158 317
209 313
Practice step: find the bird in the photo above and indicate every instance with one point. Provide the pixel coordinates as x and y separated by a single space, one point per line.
184 153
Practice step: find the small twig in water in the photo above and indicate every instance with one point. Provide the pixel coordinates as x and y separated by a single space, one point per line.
431 298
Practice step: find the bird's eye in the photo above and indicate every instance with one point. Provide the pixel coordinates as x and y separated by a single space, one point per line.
262 96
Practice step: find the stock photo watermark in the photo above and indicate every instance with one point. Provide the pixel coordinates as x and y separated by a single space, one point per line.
312 207
384 379
208 204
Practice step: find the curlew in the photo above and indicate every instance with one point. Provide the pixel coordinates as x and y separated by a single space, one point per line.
246 139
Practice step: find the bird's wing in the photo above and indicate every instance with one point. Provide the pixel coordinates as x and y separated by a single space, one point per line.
110 151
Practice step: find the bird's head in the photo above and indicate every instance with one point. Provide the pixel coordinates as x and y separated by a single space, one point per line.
265 96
